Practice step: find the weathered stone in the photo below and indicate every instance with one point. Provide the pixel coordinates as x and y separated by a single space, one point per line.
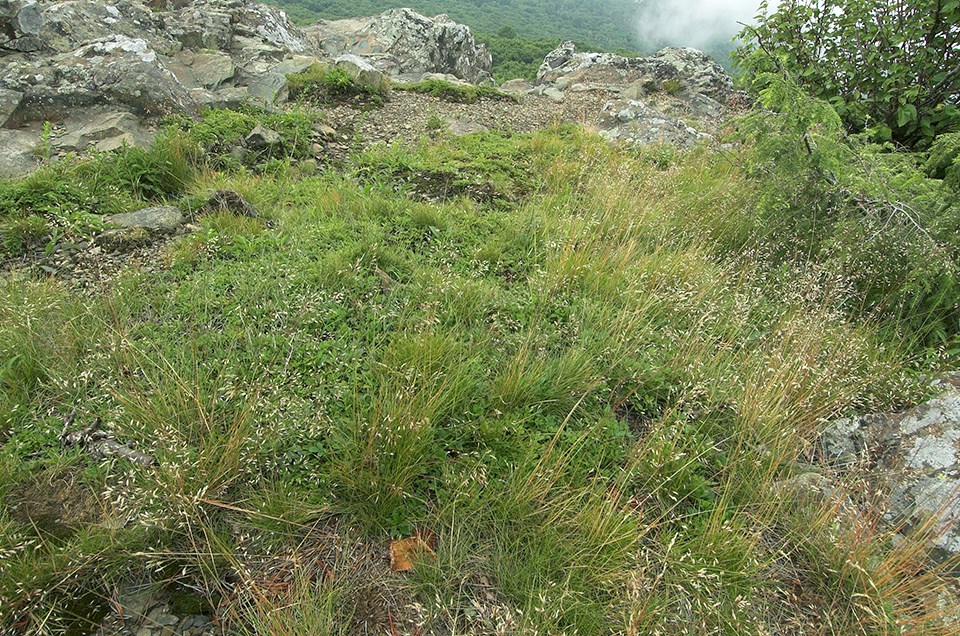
697 71
29 19
843 442
638 90
19 155
554 94
209 69
461 127
402 41
158 219
68 26
9 103
271 88
917 453
119 71
361 72
517 87
261 138
103 130
296 64
231 97
232 202
636 122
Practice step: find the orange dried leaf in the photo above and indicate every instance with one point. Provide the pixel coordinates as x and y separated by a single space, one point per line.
405 552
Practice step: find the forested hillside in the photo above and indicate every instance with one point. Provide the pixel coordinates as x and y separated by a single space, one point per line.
519 33
604 23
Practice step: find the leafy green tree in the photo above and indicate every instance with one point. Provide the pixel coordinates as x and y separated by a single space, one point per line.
889 67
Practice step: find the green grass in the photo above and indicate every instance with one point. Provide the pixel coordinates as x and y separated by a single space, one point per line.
323 84
570 363
447 91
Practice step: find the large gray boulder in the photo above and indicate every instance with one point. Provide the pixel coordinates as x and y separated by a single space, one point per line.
71 24
202 69
403 42
688 70
637 123
361 72
678 96
104 130
101 71
916 456
117 71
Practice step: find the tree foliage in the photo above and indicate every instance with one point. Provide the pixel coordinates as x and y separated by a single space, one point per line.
889 67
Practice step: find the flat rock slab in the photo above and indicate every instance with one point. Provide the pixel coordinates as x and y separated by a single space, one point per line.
104 130
207 69
159 219
271 88
19 155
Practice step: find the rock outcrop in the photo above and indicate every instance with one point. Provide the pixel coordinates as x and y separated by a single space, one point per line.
118 70
916 456
144 59
403 42
102 72
675 96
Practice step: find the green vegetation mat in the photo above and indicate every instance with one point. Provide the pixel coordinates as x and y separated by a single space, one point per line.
586 374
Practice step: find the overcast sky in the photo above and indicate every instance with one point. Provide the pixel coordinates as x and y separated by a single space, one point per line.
693 23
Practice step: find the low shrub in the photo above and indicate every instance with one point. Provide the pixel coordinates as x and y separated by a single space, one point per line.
462 93
325 84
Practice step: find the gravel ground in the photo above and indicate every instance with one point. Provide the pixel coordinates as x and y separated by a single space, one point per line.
407 116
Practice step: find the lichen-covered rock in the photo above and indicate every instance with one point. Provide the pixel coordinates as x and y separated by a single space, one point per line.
20 25
72 24
159 219
269 88
145 59
676 97
19 155
917 454
403 42
117 70
679 69
361 72
103 130
9 104
635 122
697 72
202 69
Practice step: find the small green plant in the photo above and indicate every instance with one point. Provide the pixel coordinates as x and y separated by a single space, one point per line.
436 123
44 149
19 235
463 93
219 133
337 81
323 84
671 86
943 160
